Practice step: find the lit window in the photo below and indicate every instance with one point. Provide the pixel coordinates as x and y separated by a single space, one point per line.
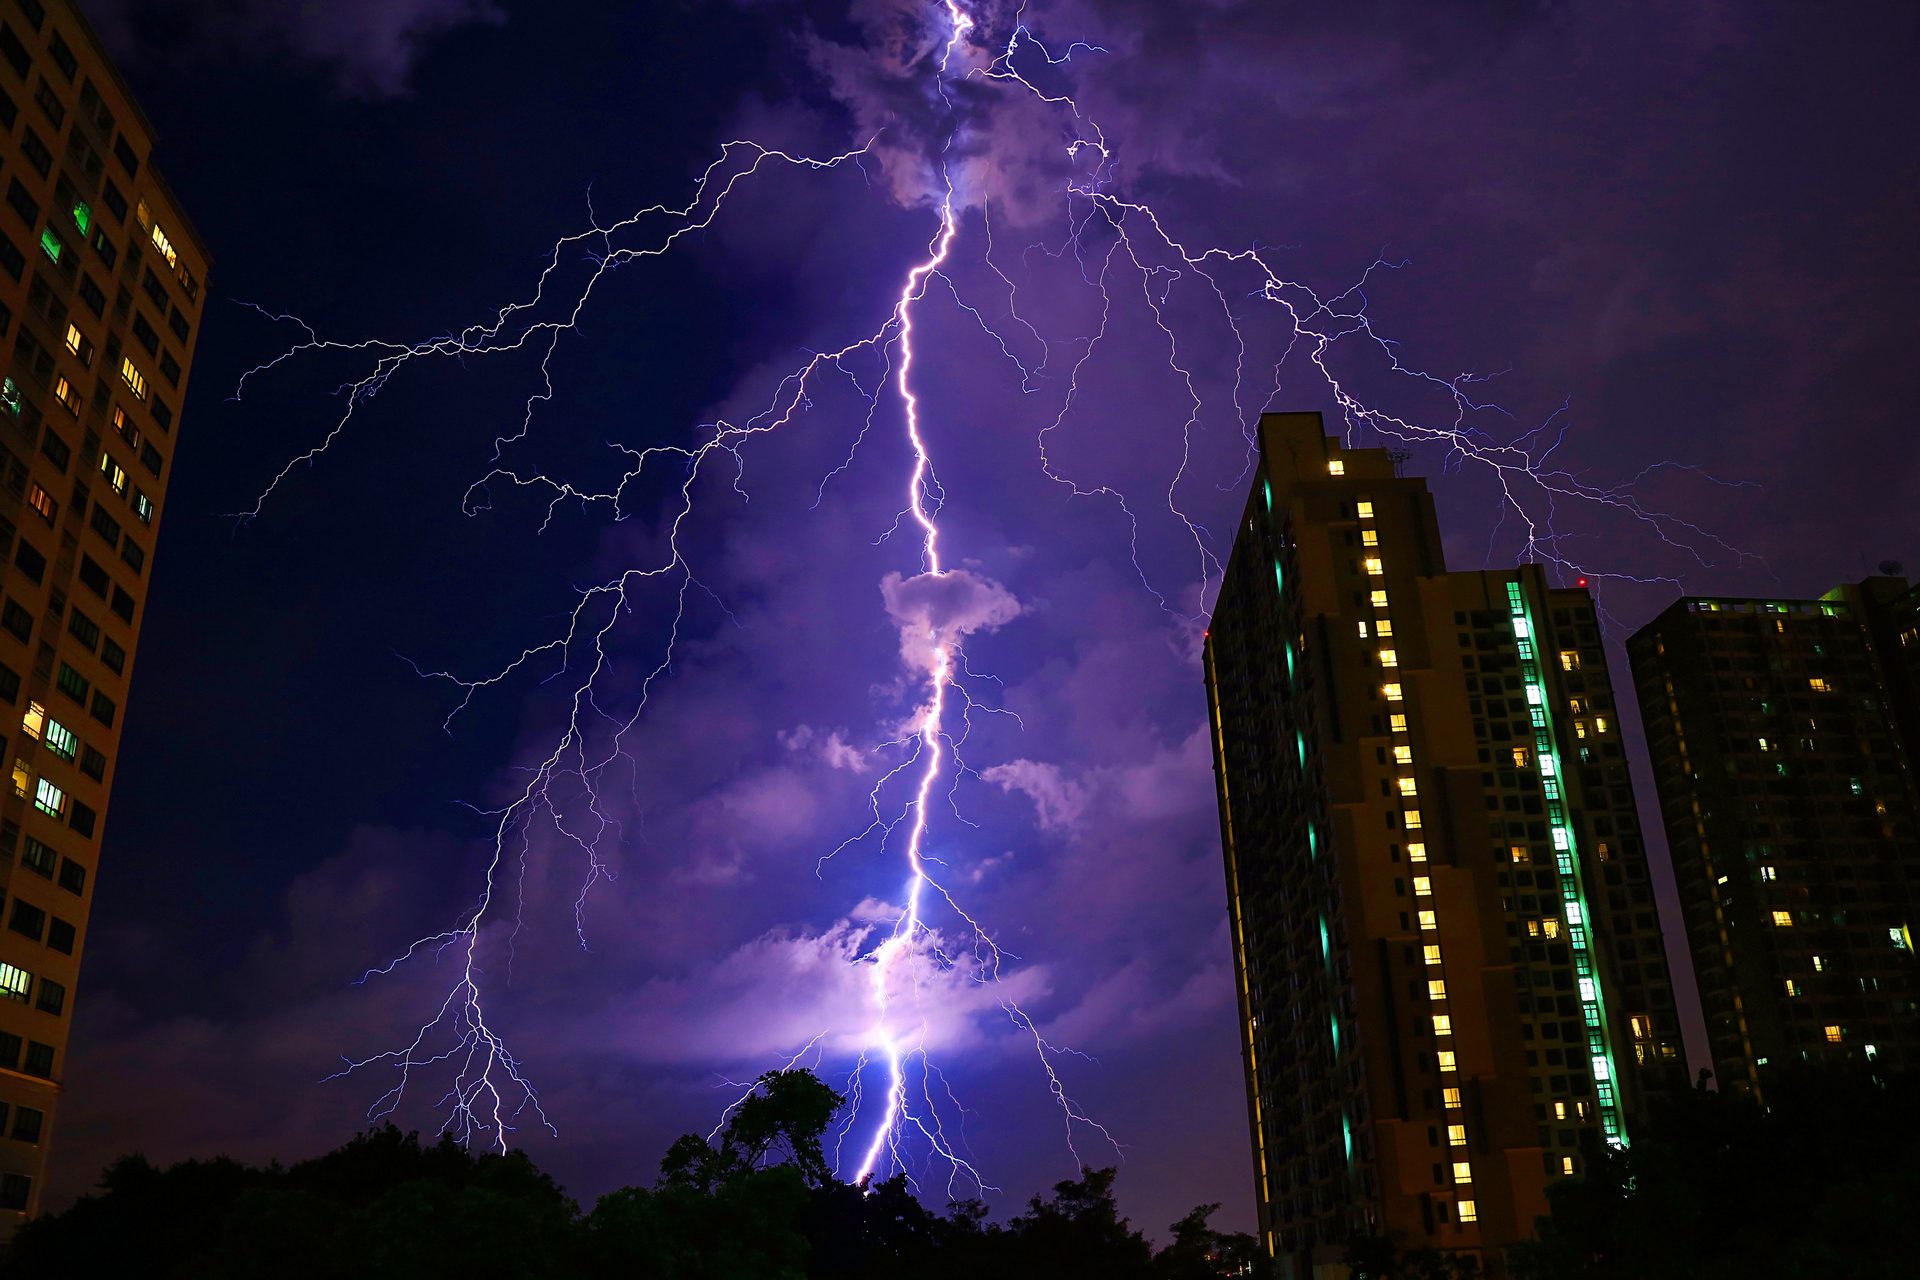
1550 926
1819 965
1641 1027
1468 1213
116 478
1365 510
1522 757
1462 1171
49 799
1580 1108
1417 852
1335 467
1833 1033
165 246
1389 658
1428 922
1768 873
15 983
1442 1025
135 380
1566 1164
1898 936
1579 728
1599 724
1422 887
50 244
1397 723
143 507
1411 819
1559 1110
1519 853
1363 630
74 338
22 777
1408 787
1569 660
67 394
1403 755
1379 599
1533 928
1436 989
1384 628
1392 692
1369 538
1817 683
1443 1059
61 742
34 721
1450 1096
1793 988
1456 1135
1431 952
1783 919
1373 566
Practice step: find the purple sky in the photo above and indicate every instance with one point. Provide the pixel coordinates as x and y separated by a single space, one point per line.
1691 227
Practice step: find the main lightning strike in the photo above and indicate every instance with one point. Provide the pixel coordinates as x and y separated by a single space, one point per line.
489 1094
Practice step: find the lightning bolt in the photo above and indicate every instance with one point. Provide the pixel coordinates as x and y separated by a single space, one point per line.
1113 240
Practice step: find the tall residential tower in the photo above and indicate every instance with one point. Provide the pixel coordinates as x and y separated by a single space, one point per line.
101 281
1451 978
1781 733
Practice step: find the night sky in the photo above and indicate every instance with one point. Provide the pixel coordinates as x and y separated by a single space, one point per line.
1683 234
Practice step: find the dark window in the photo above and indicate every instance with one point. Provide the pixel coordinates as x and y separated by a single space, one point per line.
124 154
35 151
14 52
73 876
14 1190
73 684
62 56
49 99
108 251
21 201
91 295
34 11
177 321
102 709
103 523
27 919
157 293
9 683
143 332
162 414
122 603
150 458
18 620
30 561
53 999
58 451
170 368
133 554
93 576
93 763
83 629
112 656
60 936
10 1045
37 858
27 1121
111 197
83 817
39 1060
12 261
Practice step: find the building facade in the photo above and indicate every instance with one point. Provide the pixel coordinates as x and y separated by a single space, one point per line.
1780 737
1451 978
101 282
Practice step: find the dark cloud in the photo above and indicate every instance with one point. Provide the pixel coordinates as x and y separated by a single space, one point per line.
367 48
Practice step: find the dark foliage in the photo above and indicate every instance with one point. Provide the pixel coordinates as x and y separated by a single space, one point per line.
760 1205
1819 1184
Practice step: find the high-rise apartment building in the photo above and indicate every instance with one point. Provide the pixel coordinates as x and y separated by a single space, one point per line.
101 281
1451 978
1776 729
